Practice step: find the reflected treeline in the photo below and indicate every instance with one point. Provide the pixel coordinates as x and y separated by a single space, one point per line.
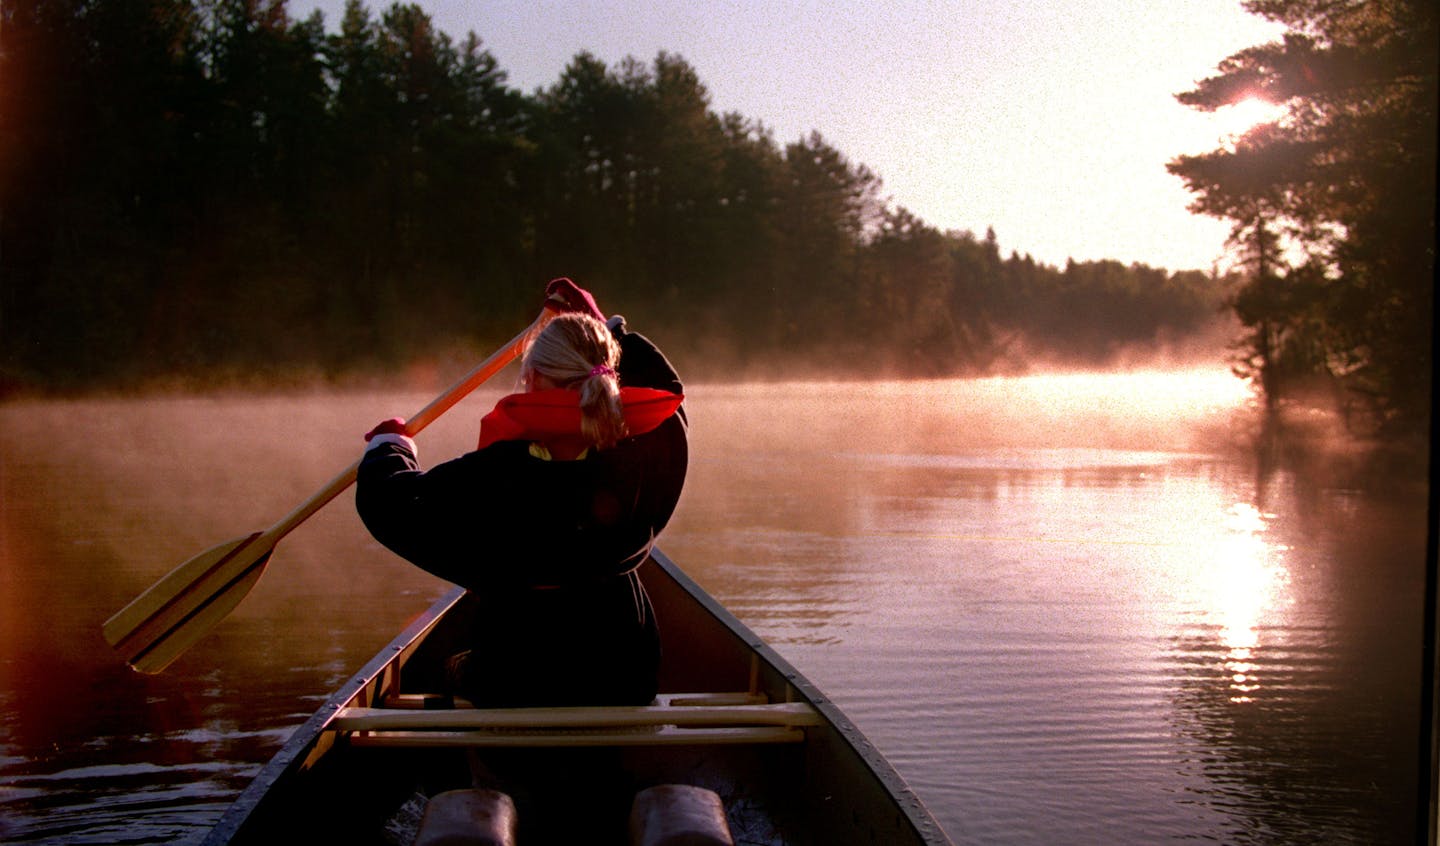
214 188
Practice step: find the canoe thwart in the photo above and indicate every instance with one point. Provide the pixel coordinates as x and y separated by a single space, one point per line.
420 701
440 701
609 716
674 719
575 738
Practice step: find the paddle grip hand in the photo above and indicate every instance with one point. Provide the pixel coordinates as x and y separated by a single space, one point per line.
393 426
562 295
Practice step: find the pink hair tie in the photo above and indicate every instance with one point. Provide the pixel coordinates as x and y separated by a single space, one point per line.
602 370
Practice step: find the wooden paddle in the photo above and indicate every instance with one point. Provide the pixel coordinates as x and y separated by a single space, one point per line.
175 612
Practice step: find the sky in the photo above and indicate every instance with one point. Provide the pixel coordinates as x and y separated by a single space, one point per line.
1049 120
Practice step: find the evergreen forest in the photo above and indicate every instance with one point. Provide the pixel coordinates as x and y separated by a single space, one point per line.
193 189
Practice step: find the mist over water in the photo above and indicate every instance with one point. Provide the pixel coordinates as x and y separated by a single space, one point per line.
1070 608
1167 410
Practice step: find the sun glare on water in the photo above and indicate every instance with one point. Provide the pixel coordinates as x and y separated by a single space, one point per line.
1237 577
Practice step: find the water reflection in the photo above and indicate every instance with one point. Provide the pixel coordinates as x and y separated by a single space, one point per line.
1116 644
1246 583
1297 676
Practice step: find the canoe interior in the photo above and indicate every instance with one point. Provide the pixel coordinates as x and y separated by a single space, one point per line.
833 788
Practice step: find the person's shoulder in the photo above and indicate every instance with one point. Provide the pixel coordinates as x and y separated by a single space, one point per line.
501 465
498 452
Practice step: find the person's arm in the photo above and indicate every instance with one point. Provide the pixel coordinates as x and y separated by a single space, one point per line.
666 449
413 512
390 500
642 365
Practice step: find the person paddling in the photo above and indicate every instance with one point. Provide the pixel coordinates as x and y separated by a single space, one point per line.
546 522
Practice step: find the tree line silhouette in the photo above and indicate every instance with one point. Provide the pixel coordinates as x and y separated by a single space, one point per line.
1333 206
214 187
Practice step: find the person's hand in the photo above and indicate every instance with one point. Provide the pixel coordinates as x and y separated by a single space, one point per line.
562 295
393 426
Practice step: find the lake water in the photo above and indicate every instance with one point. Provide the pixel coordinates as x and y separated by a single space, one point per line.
1070 609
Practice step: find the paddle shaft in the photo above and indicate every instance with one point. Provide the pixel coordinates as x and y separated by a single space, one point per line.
413 426
176 611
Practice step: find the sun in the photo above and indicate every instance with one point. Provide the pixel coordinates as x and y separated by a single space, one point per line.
1238 118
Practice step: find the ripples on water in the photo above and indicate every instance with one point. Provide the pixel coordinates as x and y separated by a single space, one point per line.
1065 607
1071 612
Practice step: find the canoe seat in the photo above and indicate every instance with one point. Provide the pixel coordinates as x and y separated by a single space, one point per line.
472 817
674 719
678 815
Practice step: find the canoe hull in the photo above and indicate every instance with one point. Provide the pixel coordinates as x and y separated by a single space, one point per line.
831 788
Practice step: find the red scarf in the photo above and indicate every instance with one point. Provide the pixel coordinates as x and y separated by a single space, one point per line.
554 415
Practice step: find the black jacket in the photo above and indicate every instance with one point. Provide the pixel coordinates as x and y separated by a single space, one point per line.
547 549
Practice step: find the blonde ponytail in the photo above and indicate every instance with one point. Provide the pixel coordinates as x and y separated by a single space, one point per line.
602 421
577 351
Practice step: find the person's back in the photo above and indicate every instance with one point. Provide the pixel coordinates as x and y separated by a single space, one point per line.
547 520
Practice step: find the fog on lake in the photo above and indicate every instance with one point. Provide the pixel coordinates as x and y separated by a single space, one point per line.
1070 608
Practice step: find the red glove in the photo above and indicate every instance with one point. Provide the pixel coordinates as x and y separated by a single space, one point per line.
562 295
393 426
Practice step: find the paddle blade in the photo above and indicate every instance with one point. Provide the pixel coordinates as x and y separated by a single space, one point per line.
165 620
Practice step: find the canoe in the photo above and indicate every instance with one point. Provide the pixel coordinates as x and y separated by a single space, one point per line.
733 719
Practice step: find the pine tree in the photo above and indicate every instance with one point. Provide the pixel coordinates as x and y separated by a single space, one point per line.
1333 206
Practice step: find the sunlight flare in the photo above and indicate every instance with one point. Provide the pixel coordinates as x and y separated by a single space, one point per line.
1235 120
1245 577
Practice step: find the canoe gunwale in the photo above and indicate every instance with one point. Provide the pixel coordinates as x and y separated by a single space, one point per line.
301 743
906 800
